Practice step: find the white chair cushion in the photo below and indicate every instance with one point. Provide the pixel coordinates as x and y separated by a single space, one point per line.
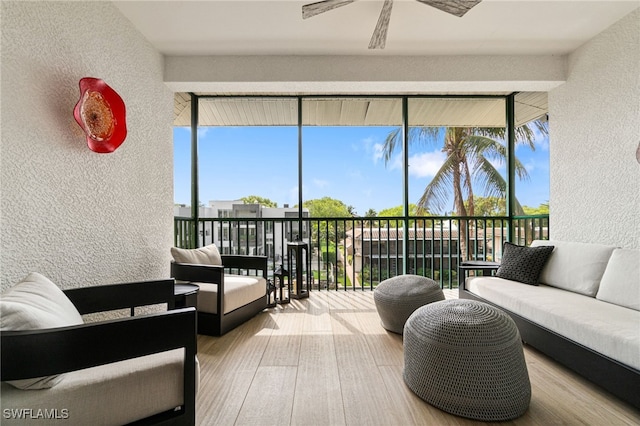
239 290
620 283
111 394
576 267
207 255
32 304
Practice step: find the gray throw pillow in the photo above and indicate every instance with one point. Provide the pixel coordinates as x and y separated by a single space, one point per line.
523 264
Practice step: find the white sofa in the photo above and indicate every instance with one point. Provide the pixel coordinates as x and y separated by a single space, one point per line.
585 311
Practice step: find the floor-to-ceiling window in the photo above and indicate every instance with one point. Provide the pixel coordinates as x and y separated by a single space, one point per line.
410 177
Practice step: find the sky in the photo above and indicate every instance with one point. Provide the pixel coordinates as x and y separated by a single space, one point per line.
345 163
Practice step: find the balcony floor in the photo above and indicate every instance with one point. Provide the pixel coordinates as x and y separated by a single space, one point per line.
326 360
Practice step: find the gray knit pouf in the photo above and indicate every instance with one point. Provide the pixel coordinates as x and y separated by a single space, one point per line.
396 298
466 358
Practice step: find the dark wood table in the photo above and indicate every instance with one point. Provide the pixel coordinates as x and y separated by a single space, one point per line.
485 266
185 295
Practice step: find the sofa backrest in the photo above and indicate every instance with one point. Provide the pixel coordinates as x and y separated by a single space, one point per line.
576 267
620 283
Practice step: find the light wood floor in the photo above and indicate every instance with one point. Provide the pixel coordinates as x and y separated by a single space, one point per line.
326 360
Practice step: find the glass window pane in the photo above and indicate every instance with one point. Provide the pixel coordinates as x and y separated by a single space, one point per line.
457 153
343 153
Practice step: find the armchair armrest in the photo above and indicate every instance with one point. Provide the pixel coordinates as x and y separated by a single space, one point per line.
242 262
197 273
118 296
475 265
89 345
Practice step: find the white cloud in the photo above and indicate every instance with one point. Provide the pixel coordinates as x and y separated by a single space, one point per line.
530 166
378 152
320 183
202 132
425 164
355 174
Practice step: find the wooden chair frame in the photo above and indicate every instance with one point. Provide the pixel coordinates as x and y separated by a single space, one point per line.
93 344
220 323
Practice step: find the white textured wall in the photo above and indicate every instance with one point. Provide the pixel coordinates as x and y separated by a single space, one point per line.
594 132
76 216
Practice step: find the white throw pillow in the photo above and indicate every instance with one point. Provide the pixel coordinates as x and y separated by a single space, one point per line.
576 267
207 255
620 283
32 304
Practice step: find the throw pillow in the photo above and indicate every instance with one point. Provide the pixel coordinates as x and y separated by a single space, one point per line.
207 255
523 264
620 283
32 304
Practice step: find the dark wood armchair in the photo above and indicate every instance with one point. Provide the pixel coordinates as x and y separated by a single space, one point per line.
68 349
217 317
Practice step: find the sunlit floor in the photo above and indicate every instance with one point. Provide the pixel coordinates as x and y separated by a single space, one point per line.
326 360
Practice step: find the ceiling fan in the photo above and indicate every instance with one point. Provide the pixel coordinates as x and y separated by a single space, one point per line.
379 37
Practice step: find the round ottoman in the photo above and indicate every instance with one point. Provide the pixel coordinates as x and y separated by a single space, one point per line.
466 358
396 298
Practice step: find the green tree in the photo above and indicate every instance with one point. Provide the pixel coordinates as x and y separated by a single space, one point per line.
326 207
488 206
396 212
371 213
256 199
470 153
326 233
541 209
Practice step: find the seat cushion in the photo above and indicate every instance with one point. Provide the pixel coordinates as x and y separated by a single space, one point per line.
207 255
576 267
239 291
603 327
112 394
36 303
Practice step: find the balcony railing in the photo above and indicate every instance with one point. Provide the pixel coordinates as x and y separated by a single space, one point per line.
358 253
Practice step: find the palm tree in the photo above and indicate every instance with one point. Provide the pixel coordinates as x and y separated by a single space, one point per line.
469 152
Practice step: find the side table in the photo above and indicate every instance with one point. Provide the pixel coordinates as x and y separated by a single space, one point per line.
185 295
485 266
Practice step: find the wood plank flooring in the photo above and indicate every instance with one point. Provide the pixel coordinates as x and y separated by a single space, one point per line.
326 360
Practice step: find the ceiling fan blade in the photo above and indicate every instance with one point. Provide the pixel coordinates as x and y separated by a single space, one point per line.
379 37
454 7
313 9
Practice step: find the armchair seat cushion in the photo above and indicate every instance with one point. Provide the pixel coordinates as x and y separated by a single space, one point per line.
239 290
116 393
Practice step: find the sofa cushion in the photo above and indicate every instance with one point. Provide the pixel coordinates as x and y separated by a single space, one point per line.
36 303
207 255
604 327
576 267
620 283
239 290
523 264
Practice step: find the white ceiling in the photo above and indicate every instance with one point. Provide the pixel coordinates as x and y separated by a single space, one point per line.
265 27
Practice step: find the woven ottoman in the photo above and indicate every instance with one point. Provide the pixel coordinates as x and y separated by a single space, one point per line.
465 357
396 298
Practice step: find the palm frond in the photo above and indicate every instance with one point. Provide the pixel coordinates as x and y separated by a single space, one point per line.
417 135
490 179
390 142
436 193
494 183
